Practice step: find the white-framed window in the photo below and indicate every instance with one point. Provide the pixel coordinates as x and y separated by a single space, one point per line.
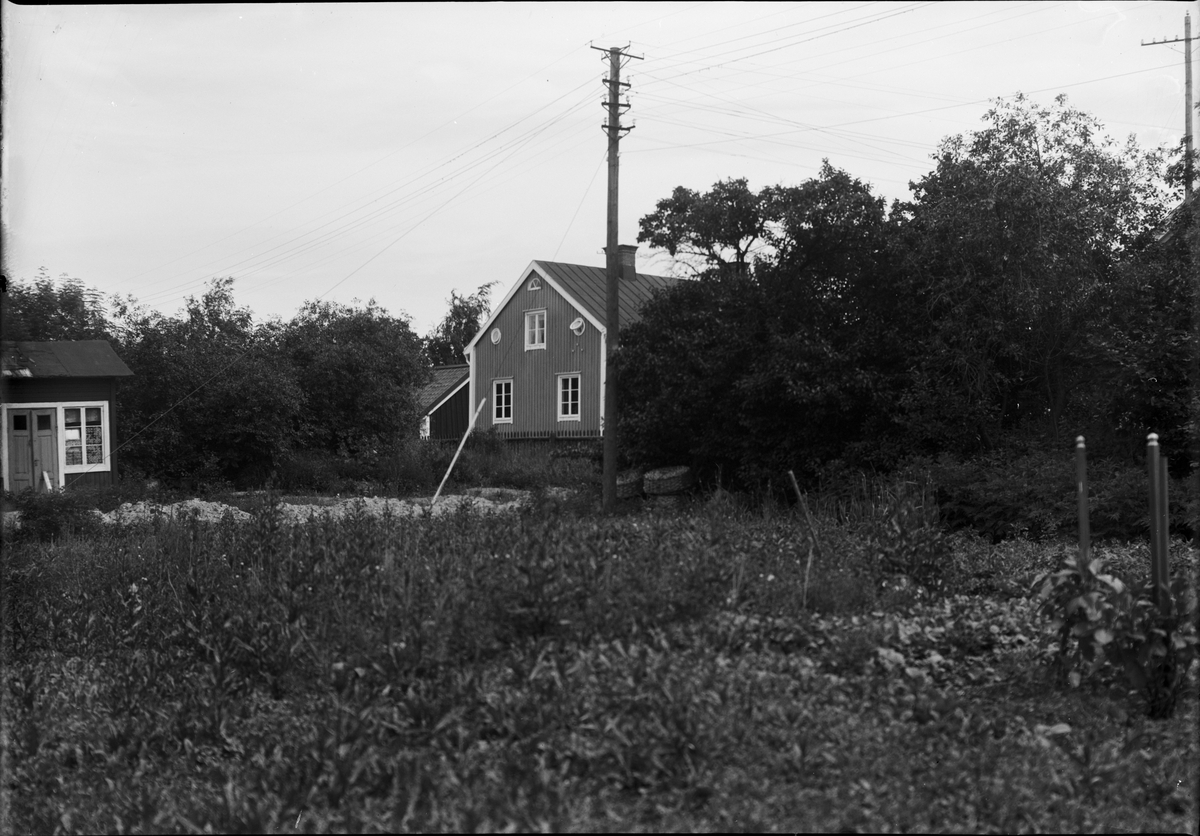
568 397
534 283
502 391
83 436
535 329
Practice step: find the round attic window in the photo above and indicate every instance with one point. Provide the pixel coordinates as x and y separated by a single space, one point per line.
577 326
495 336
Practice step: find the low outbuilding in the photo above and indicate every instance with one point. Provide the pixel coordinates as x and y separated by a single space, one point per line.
445 410
58 403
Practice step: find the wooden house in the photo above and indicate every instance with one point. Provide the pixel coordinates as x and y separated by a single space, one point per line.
539 359
58 402
445 411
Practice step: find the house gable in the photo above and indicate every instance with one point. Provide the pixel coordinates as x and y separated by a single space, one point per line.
538 269
545 345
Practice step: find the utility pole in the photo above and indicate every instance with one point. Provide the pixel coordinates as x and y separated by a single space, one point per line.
612 276
1186 40
1188 175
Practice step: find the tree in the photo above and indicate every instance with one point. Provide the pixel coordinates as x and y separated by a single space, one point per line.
1012 244
719 230
359 369
47 310
1141 355
212 396
779 365
446 342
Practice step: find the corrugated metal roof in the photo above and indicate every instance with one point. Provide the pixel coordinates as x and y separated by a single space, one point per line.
79 358
588 286
445 380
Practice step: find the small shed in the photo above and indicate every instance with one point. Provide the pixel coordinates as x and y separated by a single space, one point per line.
58 403
445 410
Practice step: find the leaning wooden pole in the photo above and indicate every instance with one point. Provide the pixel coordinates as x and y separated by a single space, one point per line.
470 427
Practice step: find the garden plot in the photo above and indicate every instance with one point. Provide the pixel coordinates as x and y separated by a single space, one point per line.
478 500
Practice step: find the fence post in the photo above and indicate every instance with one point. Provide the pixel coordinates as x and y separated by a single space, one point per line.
1164 529
1081 491
1158 535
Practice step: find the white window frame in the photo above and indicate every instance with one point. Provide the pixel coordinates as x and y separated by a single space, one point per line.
498 403
60 407
561 389
531 329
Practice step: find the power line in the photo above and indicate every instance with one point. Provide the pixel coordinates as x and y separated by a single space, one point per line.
170 291
376 162
571 223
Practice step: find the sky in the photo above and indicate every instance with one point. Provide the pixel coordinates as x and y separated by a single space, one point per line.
398 152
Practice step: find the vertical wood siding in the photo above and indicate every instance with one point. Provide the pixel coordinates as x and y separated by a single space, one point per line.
449 422
535 373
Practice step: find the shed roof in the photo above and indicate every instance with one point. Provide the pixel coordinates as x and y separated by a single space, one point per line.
445 380
588 285
78 358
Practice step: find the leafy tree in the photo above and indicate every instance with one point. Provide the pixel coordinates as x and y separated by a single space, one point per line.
44 309
213 396
445 344
719 230
1143 352
1012 244
359 369
753 373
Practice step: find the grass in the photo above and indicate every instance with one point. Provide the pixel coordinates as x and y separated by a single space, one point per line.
563 671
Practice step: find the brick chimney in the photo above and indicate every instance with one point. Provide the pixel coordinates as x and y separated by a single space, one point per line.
626 261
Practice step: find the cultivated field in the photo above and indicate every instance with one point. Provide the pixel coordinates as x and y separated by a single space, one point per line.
549 669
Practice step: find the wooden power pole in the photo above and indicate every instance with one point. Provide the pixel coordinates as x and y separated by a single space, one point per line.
612 277
1186 40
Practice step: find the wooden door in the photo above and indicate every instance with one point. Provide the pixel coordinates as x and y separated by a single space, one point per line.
45 449
20 450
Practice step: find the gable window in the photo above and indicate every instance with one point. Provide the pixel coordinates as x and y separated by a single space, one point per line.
535 283
568 397
502 401
535 330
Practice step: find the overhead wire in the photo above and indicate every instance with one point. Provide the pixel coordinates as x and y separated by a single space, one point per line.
586 191
452 120
361 205
527 141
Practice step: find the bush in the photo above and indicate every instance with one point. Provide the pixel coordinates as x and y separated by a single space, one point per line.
317 470
1033 496
1100 621
415 466
45 517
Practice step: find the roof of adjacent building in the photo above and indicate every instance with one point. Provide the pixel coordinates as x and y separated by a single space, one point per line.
78 358
588 286
445 380
1170 225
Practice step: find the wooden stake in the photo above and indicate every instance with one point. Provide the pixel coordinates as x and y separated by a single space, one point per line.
1157 561
1081 491
812 534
